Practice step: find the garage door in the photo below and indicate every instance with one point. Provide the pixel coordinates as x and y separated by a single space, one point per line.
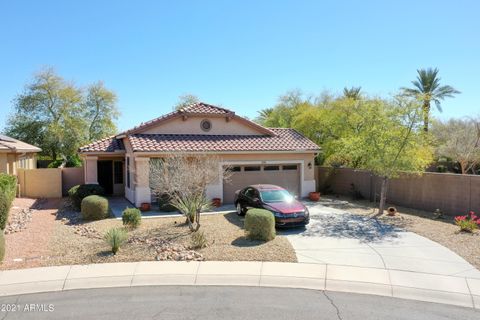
284 175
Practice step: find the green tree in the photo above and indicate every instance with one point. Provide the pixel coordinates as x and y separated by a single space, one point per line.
353 93
459 140
185 100
427 88
59 117
101 111
263 115
389 141
48 113
283 113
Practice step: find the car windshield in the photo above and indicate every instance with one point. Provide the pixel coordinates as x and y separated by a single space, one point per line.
276 195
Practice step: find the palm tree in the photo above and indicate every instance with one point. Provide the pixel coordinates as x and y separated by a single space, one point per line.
263 115
427 88
352 93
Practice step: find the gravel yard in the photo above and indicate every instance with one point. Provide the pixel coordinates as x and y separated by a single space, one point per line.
443 231
31 224
66 239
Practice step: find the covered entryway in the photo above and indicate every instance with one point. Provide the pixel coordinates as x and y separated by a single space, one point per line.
284 175
105 175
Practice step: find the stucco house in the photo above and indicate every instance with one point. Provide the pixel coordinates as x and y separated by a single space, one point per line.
256 154
15 154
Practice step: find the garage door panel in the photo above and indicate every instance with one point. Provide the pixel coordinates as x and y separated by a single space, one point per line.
288 179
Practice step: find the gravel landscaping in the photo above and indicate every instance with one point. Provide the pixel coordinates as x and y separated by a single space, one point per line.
443 231
76 242
30 227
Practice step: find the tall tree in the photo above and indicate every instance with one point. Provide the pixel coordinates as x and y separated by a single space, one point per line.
59 117
101 111
389 141
459 140
263 115
353 93
427 88
185 100
48 113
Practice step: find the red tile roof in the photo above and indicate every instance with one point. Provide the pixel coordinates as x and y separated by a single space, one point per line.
205 108
110 144
275 139
284 140
199 108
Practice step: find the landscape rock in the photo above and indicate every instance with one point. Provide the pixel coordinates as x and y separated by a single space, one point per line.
18 220
166 250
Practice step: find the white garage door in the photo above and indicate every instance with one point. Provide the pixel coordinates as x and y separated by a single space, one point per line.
283 175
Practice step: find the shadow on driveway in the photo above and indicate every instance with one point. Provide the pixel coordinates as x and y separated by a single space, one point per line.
345 225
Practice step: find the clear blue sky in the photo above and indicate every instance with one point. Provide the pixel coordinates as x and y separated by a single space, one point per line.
241 54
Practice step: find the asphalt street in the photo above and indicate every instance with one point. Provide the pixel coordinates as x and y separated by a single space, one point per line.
208 302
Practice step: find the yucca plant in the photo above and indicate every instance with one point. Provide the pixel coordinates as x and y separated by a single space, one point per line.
191 206
115 237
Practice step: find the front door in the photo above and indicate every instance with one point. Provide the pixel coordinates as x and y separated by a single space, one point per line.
105 175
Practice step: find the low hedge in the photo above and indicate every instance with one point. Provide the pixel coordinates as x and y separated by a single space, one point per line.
260 225
95 208
2 246
79 192
131 217
8 190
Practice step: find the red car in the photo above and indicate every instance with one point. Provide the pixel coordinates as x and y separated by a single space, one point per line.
288 211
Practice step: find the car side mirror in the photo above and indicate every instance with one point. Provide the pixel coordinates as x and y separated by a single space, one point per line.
256 200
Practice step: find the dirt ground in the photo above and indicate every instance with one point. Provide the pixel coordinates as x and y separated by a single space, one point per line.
443 231
30 247
65 239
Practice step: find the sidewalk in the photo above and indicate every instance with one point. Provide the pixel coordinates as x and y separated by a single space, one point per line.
119 204
461 291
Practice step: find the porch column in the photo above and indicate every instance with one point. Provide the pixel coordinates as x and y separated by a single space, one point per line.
91 173
142 181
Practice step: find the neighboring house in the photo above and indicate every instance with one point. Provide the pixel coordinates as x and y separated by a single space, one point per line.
15 154
256 154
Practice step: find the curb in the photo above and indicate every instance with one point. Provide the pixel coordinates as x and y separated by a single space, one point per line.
460 291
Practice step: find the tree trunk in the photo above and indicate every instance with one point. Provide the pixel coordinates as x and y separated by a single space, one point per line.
194 226
383 196
426 115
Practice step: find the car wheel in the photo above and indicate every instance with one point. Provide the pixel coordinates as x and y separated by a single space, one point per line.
240 211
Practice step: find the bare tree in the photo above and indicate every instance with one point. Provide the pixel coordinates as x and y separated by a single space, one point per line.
184 179
459 139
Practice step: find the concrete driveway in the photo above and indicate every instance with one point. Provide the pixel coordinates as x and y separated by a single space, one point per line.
338 237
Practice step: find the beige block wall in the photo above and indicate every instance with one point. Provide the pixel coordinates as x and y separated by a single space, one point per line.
10 162
3 163
192 126
40 183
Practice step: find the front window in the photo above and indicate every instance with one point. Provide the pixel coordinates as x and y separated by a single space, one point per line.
276 196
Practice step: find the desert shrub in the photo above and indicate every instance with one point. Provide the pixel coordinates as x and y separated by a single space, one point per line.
79 192
8 190
115 237
131 217
2 246
191 207
95 208
198 240
468 223
260 225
